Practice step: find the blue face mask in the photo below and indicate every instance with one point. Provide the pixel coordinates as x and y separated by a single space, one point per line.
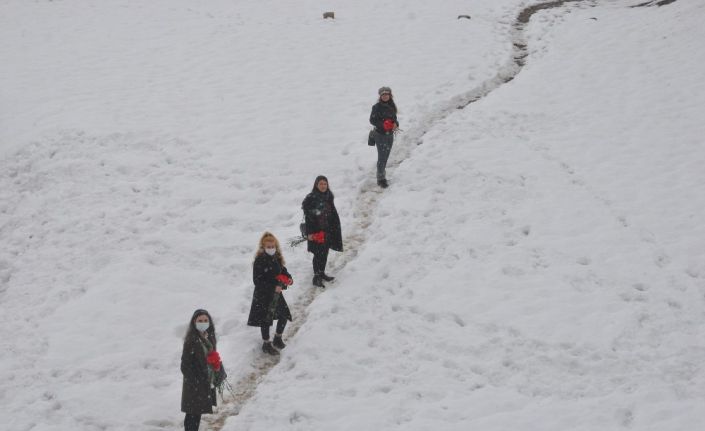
202 326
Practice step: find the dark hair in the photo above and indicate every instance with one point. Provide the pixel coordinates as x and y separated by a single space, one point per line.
193 332
319 178
315 184
390 102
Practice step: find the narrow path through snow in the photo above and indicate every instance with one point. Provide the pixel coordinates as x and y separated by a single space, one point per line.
369 195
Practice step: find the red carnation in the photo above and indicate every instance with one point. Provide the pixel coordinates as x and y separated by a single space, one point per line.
319 237
284 279
388 125
213 359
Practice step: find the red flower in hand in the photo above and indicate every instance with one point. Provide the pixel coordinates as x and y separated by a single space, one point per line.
213 359
388 124
319 237
284 279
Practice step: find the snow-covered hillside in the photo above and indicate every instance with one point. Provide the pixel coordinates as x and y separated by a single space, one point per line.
537 263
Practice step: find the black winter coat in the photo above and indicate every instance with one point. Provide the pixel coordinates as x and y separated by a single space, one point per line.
380 112
264 270
197 397
320 215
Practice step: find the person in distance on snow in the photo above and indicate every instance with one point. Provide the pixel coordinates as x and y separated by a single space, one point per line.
268 304
322 228
200 366
384 119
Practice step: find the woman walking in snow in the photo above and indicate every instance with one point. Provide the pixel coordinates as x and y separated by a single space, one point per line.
268 304
384 120
322 228
200 365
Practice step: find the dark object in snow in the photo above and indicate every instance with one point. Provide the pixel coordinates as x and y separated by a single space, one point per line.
327 15
321 218
278 342
464 16
269 349
198 395
320 214
270 278
383 183
267 305
384 111
654 3
318 281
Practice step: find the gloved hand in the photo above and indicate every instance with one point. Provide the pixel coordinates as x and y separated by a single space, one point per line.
284 279
388 125
213 359
319 237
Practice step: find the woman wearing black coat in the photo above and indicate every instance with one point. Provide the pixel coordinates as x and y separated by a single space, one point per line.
322 228
199 363
268 304
384 119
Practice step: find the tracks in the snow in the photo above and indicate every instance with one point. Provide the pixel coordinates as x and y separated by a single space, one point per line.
369 195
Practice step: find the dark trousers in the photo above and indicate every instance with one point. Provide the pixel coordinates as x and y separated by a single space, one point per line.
384 147
281 324
192 422
320 258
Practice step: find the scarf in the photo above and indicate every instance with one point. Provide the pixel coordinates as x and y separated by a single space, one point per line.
207 348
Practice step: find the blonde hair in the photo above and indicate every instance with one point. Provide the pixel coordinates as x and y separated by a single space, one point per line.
260 248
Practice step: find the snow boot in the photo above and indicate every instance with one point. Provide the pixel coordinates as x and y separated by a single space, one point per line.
278 342
383 183
318 281
326 277
268 349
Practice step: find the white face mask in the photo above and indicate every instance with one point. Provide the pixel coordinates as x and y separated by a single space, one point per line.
270 250
202 326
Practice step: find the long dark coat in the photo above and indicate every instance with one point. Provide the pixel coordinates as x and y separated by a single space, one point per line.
320 215
264 270
382 111
197 397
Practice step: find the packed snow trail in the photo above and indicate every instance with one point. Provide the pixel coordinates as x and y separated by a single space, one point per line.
369 195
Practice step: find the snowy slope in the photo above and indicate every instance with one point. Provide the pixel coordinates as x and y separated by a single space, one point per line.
536 264
146 145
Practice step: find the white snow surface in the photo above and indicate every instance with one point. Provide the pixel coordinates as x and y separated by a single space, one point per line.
538 262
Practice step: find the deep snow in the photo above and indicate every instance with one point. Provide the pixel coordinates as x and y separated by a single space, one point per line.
538 262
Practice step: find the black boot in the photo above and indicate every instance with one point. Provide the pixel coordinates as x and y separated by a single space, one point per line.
278 342
318 281
383 183
268 349
327 277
